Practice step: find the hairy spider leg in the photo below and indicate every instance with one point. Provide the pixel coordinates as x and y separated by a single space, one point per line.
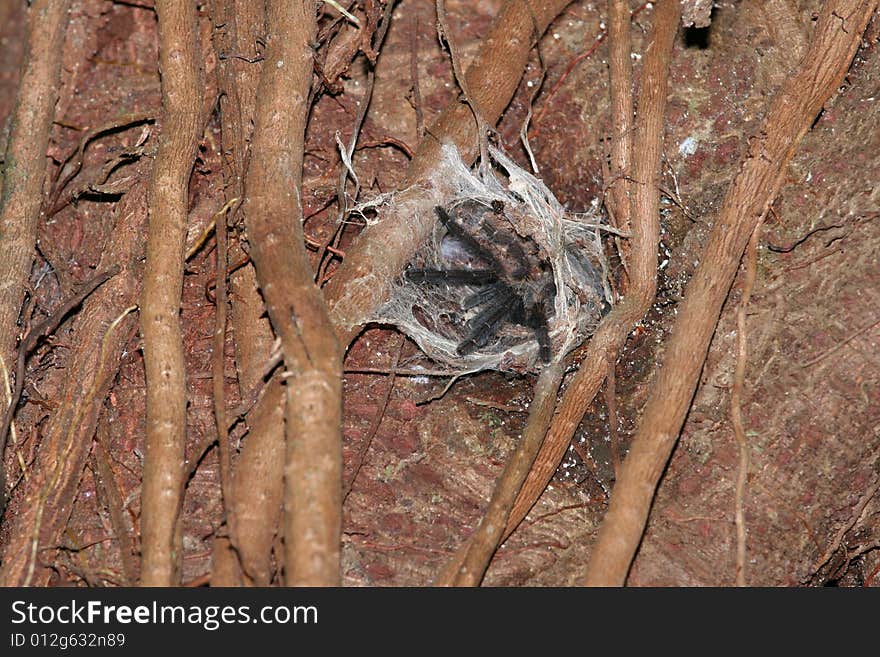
451 277
543 337
484 324
485 294
534 318
462 236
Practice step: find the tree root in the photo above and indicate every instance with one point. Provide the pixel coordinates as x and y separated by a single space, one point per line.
836 38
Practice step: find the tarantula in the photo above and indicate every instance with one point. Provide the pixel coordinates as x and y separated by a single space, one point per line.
514 284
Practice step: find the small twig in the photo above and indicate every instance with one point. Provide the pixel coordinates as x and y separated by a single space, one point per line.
442 393
74 162
849 524
840 345
7 390
603 33
488 403
675 194
574 62
374 427
197 582
199 453
468 565
250 398
249 60
388 141
346 155
482 125
27 345
532 521
398 371
96 178
342 10
592 467
812 261
218 369
64 453
788 248
136 5
209 228
315 244
736 406
536 89
414 76
107 481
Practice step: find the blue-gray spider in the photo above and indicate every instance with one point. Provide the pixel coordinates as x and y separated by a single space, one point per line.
514 284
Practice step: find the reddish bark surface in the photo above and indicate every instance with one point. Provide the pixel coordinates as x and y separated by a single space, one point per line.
812 387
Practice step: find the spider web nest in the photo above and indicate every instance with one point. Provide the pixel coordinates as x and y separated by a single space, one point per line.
435 316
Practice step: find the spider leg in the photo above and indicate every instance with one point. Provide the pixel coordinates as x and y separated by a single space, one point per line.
534 318
462 236
542 335
484 325
451 277
485 294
